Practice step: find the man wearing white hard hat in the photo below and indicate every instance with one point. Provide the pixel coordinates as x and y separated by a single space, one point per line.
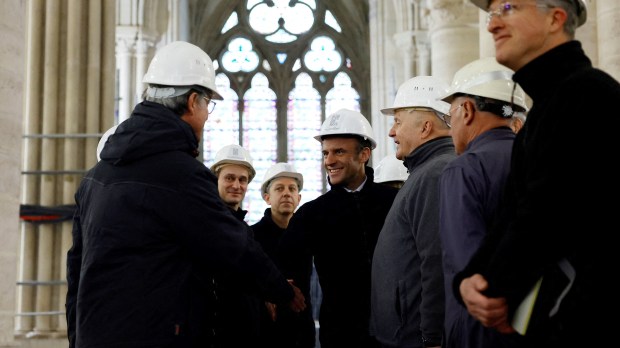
280 327
338 230
150 230
407 294
238 308
234 170
483 103
553 225
391 171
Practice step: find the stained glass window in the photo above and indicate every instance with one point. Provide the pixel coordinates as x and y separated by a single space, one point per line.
260 138
282 70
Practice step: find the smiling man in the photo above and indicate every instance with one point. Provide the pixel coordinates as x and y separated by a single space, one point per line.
339 229
238 307
552 223
234 171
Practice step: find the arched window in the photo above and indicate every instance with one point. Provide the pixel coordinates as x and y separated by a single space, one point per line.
282 67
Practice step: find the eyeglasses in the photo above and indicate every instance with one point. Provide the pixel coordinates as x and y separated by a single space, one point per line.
507 8
210 104
447 117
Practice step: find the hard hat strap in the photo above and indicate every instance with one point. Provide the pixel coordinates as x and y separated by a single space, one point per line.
167 91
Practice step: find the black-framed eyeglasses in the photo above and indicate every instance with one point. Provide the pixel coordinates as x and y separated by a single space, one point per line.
210 104
506 8
447 118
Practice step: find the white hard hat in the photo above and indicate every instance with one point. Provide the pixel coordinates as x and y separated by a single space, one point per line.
281 169
233 154
182 64
420 91
487 78
345 121
391 168
103 140
582 9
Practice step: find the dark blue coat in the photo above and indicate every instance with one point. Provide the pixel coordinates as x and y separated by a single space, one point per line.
149 234
290 330
471 187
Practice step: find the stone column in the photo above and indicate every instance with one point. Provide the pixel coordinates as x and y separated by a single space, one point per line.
423 51
487 45
608 20
382 71
12 58
125 45
454 32
69 67
142 55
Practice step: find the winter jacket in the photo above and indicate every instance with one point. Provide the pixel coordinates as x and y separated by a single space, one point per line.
407 276
237 323
150 232
471 187
289 330
338 230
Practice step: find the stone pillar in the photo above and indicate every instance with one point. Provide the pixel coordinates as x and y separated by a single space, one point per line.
142 55
454 32
587 34
125 45
405 43
382 71
69 89
423 51
487 45
12 57
608 20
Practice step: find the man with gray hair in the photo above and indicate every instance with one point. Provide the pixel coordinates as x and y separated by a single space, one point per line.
483 103
150 230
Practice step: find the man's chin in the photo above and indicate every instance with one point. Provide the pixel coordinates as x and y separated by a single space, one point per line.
335 180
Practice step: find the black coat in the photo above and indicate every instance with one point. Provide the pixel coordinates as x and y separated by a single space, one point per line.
237 314
290 330
150 233
338 230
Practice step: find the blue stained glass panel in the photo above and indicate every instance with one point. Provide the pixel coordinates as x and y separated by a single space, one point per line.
260 138
304 123
342 96
222 126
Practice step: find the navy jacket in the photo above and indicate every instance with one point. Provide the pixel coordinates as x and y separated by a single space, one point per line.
471 187
149 234
290 330
237 323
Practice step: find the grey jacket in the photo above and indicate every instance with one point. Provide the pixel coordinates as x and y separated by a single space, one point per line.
407 292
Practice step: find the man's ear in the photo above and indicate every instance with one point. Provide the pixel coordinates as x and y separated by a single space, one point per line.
427 128
558 18
365 154
192 102
469 112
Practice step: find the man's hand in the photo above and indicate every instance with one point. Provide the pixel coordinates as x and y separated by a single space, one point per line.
491 312
271 309
298 303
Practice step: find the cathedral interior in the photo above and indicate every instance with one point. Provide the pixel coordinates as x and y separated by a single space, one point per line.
72 69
